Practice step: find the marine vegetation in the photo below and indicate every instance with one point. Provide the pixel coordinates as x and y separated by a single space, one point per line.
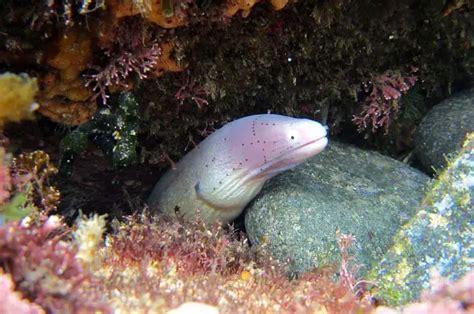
115 131
314 59
18 97
152 264
26 187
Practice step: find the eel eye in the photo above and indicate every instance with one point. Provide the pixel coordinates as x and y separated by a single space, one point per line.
292 135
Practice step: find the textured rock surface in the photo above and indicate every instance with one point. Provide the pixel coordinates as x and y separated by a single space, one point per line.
445 298
344 188
439 240
442 131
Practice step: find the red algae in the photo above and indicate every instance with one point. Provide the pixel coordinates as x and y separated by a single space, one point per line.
43 266
152 264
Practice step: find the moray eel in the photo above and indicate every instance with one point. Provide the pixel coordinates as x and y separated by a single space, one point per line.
218 178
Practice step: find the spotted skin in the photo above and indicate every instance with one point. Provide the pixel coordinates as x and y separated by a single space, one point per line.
218 178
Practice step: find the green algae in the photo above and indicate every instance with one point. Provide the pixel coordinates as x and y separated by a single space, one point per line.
115 132
125 134
17 208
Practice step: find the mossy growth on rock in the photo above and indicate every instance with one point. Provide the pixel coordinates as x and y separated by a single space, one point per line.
311 59
439 240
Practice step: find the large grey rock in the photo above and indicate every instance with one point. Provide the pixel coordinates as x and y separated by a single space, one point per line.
438 240
442 131
344 188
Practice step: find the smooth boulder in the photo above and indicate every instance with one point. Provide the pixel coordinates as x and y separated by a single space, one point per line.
344 188
442 131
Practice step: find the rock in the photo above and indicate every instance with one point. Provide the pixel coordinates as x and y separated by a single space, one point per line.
446 298
438 240
344 188
443 130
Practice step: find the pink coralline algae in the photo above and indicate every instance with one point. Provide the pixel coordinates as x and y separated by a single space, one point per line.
348 268
5 179
134 52
191 261
190 91
44 268
382 104
11 301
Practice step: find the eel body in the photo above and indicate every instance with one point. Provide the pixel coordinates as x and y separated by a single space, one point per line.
218 178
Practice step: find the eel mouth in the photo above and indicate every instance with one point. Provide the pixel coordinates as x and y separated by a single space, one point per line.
322 138
291 158
307 150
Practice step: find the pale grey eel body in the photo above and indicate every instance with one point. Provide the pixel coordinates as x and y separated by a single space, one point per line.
228 169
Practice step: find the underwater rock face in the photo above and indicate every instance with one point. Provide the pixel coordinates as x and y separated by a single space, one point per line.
443 129
444 298
344 188
438 240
